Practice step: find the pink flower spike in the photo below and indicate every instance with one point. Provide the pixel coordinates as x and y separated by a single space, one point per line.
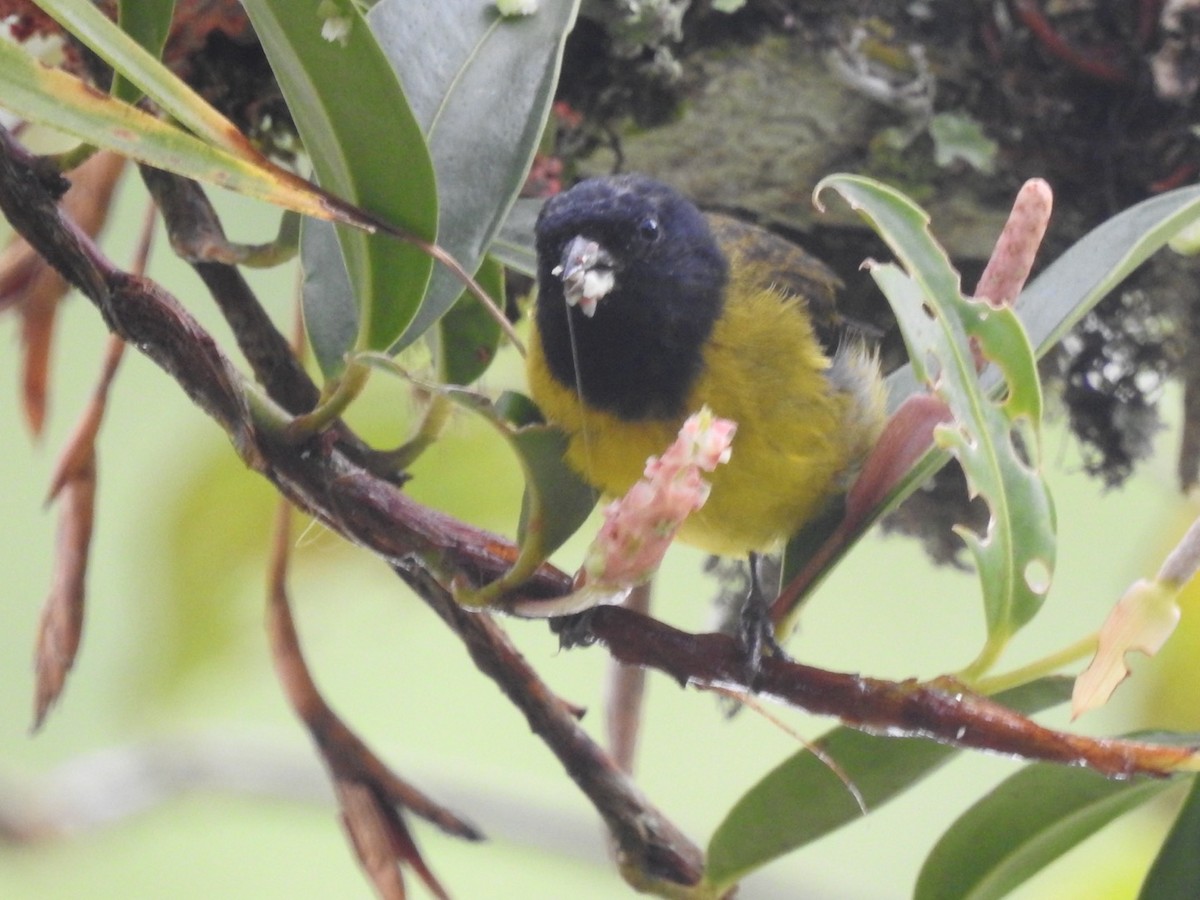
639 527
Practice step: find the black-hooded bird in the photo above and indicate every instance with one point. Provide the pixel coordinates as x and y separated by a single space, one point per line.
647 309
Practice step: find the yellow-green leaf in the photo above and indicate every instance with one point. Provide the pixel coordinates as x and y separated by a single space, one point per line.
52 97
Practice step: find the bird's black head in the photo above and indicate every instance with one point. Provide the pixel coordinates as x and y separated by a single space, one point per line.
635 267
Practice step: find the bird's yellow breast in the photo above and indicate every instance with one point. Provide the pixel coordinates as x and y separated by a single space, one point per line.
798 436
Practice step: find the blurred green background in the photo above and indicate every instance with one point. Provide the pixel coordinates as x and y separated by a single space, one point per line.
174 684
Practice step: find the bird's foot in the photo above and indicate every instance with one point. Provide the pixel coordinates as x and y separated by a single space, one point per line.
574 630
755 630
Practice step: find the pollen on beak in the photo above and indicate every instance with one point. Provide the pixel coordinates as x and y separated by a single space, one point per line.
587 274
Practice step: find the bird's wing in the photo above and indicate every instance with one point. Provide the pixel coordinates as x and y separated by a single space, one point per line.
779 264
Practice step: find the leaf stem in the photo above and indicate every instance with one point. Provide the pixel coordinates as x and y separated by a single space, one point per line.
73 158
433 423
337 397
1036 669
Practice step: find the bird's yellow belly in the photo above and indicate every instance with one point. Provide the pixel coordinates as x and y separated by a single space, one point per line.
764 370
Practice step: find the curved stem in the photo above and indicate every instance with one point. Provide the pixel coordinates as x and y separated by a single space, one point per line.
332 405
433 423
1047 665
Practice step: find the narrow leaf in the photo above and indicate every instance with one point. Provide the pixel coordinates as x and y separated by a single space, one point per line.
365 147
330 309
60 627
1095 264
467 334
803 799
451 56
52 97
1175 874
148 22
1025 823
85 21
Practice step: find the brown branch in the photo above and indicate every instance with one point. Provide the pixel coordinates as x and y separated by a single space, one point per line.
942 710
646 842
195 230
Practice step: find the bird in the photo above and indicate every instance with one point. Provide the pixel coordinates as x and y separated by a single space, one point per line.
648 309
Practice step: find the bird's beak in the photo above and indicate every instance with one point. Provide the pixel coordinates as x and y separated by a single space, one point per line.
587 273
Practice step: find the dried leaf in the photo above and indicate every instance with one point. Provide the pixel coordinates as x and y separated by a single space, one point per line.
38 314
73 484
34 288
62 616
370 795
1142 620
369 825
79 451
381 839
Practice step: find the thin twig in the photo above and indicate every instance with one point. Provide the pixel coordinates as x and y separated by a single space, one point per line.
626 689
348 758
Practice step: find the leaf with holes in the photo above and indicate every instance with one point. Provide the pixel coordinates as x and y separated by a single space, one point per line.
998 443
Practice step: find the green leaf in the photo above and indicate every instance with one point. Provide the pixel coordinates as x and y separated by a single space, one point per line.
330 309
514 244
556 501
1175 874
998 444
481 86
802 799
1025 823
468 334
365 146
148 22
957 136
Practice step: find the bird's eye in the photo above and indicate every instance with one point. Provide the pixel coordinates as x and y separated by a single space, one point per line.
648 229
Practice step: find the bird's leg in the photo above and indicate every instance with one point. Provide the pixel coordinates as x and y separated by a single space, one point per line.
574 630
756 631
